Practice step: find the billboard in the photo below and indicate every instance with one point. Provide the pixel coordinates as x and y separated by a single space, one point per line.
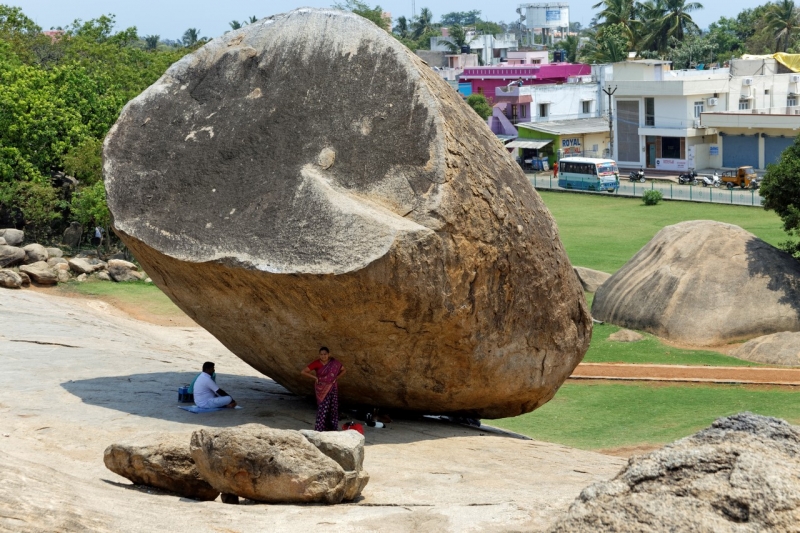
549 15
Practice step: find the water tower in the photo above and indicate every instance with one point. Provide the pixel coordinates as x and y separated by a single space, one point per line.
547 17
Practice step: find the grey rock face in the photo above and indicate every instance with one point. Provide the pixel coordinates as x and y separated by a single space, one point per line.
739 475
269 465
380 205
344 447
10 279
11 255
72 235
625 335
590 279
121 273
776 349
53 261
166 464
26 280
40 273
85 266
13 237
704 283
54 252
35 253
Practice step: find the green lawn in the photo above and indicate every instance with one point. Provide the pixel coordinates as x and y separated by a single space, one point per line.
603 232
146 296
596 416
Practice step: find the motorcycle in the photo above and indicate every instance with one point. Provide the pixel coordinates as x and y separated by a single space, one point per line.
637 175
711 181
689 178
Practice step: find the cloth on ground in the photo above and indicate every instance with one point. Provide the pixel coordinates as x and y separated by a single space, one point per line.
194 409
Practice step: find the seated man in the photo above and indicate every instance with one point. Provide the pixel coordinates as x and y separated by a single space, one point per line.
207 394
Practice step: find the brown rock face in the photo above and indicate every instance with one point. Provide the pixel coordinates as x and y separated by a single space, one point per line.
268 465
40 272
776 349
738 475
344 195
166 465
591 279
704 283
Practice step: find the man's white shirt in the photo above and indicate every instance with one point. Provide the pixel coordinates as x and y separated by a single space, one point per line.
204 389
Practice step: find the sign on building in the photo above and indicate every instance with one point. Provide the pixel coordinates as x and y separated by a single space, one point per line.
672 164
571 146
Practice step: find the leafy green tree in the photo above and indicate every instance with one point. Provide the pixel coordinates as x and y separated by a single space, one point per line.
570 44
191 38
783 20
235 24
423 23
39 206
374 14
89 206
461 18
481 106
402 29
457 39
151 42
85 161
690 51
252 19
619 12
611 46
780 190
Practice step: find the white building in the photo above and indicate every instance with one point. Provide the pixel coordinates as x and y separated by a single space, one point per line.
676 120
491 49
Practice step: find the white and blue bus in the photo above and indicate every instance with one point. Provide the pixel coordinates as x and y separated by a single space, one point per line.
588 174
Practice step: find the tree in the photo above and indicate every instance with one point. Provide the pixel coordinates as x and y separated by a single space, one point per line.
615 12
664 19
422 23
235 24
151 42
252 19
611 46
570 44
402 29
783 20
780 190
690 51
461 18
191 37
481 106
89 206
85 161
457 39
374 14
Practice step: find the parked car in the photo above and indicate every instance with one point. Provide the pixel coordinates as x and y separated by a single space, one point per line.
744 177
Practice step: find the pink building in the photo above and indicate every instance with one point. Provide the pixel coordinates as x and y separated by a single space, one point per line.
485 80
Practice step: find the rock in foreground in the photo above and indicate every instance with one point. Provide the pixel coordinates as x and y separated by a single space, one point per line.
704 283
346 196
739 475
166 465
591 279
776 349
268 465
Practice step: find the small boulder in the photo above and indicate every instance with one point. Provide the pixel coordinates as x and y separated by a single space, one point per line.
82 278
3 242
11 255
10 279
354 483
776 349
625 335
63 275
121 263
54 252
102 276
26 280
53 261
121 273
81 265
72 235
265 464
40 273
35 253
12 236
590 279
344 447
738 475
167 465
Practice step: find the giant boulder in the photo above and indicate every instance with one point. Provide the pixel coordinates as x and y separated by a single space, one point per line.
704 283
40 272
776 349
739 475
343 194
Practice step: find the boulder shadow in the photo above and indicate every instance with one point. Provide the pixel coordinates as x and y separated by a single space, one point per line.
782 269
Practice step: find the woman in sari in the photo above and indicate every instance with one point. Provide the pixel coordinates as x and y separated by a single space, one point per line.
327 370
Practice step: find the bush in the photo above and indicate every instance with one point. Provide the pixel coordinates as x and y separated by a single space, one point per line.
652 197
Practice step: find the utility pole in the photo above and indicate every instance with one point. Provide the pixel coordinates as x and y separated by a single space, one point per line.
609 92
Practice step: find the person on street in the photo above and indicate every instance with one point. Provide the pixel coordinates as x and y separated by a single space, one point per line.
327 371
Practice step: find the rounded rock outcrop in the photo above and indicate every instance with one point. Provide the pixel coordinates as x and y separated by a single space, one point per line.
704 283
776 349
345 195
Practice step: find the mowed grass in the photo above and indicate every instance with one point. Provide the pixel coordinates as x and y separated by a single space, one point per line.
144 296
603 232
595 416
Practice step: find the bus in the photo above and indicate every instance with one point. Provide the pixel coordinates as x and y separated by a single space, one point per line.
588 174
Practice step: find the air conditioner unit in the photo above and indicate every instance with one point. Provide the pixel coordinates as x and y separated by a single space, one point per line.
747 81
713 101
794 78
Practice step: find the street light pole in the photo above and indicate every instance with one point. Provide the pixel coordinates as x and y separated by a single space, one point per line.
609 92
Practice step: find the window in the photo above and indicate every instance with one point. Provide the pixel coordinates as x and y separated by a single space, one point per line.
480 90
523 111
513 116
698 108
766 91
649 112
671 147
744 104
791 100
544 110
587 106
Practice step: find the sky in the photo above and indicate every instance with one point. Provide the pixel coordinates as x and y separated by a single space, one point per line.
170 18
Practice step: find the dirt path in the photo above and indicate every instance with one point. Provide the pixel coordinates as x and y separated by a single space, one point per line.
698 374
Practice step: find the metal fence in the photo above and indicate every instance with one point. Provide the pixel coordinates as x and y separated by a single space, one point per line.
670 191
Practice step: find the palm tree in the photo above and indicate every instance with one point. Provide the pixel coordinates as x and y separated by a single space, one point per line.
191 37
677 19
151 42
664 19
783 19
457 39
401 29
422 23
252 19
623 12
235 24
570 44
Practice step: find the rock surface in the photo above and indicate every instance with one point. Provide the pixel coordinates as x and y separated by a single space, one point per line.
26 280
740 474
72 235
591 279
776 349
54 252
122 273
265 464
13 237
11 255
704 283
625 335
81 265
40 273
10 279
347 449
167 464
401 208
35 253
